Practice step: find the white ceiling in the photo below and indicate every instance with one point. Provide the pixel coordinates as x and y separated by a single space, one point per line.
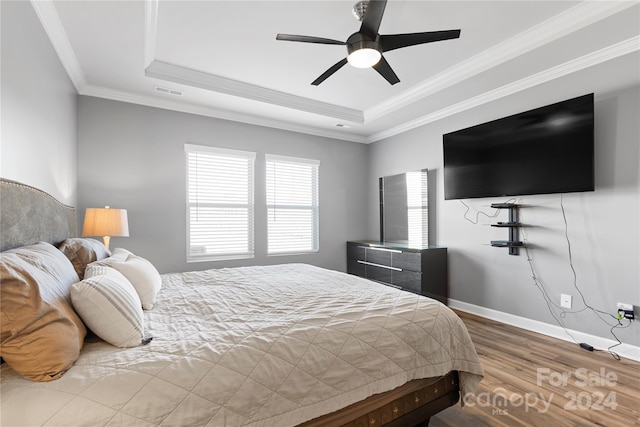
222 56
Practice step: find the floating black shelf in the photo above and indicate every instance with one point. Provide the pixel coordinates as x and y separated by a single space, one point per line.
505 243
513 225
507 224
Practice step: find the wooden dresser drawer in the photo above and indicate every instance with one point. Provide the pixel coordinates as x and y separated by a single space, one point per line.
418 270
356 268
380 256
408 280
407 261
355 251
379 274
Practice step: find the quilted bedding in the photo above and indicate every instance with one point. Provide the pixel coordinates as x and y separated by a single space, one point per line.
252 346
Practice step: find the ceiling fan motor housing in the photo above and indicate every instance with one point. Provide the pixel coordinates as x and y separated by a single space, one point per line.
357 41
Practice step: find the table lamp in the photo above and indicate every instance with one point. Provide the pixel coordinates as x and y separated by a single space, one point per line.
105 222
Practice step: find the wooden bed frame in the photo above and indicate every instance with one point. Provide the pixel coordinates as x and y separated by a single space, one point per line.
411 404
29 215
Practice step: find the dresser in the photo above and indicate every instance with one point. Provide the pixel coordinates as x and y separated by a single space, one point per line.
422 270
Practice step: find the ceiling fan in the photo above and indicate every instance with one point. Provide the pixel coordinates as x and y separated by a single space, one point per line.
365 47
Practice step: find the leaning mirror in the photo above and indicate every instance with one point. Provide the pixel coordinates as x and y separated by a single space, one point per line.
404 213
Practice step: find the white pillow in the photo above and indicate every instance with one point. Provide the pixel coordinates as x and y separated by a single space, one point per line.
109 305
141 273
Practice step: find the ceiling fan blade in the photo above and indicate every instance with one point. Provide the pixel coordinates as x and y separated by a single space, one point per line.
329 72
373 17
396 41
307 39
386 71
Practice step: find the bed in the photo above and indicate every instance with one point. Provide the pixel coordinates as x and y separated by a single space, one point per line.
281 345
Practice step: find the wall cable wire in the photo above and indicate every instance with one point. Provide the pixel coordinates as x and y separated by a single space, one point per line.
541 286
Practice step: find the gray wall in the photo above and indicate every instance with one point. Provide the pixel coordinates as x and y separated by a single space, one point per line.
603 226
39 130
133 157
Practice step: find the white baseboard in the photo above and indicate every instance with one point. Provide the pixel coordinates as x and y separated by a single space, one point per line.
623 350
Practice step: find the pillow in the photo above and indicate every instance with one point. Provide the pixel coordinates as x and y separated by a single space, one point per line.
82 252
109 306
141 273
41 334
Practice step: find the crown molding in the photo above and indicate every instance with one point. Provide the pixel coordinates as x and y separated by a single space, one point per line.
184 107
50 21
594 58
571 20
150 30
179 74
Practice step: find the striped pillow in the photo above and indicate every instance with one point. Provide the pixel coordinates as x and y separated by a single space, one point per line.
109 305
140 272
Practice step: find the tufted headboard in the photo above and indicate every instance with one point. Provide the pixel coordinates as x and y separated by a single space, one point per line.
29 215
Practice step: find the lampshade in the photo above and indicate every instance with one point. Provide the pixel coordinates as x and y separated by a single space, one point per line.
105 222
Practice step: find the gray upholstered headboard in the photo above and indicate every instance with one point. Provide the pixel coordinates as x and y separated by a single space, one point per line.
29 215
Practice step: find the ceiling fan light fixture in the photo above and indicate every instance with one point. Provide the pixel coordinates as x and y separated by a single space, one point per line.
365 47
364 58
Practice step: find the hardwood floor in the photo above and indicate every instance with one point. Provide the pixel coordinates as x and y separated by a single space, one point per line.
535 380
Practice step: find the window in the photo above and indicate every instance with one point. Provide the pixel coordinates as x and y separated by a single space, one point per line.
220 204
292 205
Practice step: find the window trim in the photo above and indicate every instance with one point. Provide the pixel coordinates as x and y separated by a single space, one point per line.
315 208
249 156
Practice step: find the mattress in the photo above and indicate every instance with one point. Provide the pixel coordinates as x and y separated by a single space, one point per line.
252 346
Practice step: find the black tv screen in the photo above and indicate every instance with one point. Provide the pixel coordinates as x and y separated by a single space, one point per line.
542 151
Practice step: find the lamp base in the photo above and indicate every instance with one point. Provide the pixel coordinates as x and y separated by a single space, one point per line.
106 240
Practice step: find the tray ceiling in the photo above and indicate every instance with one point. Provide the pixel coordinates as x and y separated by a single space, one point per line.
221 58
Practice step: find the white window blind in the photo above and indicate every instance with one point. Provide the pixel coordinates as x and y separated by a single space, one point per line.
292 205
417 207
220 203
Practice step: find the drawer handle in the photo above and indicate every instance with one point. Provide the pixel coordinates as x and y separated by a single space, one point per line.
379 265
383 249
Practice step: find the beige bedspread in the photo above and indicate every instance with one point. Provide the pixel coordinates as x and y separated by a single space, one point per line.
256 346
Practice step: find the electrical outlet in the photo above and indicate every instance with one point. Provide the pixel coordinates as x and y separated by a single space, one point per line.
565 300
625 311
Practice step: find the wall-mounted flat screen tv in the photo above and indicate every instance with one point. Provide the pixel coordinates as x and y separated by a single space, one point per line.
542 151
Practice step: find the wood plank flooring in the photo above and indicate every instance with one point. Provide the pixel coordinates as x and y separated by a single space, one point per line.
535 380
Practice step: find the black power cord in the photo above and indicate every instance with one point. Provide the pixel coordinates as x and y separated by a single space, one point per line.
478 213
541 287
563 312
